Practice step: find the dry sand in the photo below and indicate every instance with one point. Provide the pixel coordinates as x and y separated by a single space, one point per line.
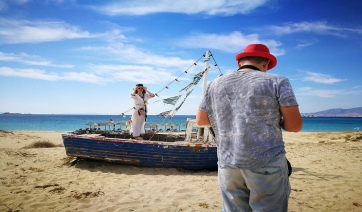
327 169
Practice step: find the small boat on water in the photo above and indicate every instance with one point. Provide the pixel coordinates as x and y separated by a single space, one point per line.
190 150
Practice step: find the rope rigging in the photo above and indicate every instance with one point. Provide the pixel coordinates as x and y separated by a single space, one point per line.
176 80
173 100
216 64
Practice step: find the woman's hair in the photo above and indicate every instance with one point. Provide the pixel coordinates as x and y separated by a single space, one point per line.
141 85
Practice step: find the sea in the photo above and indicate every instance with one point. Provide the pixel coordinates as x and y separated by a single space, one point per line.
69 123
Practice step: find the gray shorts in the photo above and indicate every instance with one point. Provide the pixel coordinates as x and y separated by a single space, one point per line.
261 189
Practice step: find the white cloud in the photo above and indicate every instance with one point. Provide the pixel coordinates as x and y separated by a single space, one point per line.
131 54
320 78
304 44
319 27
319 93
5 4
305 89
21 1
140 65
23 31
215 7
232 42
100 74
61 1
134 73
30 60
43 75
13 31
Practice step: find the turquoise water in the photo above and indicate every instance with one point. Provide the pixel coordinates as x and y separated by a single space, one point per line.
38 122
74 122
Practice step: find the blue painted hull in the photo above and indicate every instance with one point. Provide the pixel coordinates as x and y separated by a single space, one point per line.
186 155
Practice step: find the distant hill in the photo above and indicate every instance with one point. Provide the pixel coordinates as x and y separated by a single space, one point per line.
338 112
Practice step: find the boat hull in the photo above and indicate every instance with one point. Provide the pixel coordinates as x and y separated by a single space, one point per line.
158 154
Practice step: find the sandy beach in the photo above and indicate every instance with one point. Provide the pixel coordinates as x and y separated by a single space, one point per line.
327 169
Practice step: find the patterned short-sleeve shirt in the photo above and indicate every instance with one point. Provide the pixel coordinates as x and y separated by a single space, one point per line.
243 108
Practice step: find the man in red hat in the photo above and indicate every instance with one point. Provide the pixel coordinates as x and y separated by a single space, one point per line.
247 110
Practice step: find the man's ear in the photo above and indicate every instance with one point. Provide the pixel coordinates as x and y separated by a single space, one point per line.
266 64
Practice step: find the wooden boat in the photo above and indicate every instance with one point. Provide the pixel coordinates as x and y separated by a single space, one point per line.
191 151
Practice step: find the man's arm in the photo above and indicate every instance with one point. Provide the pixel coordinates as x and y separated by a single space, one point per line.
202 119
292 120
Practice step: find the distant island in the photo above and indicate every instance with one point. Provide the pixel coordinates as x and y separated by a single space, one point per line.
8 113
337 112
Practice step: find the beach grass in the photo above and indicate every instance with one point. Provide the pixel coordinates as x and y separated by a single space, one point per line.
42 144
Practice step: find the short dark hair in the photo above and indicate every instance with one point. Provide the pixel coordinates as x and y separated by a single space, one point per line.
256 60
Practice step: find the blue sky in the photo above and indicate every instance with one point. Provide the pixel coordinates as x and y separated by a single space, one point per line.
71 57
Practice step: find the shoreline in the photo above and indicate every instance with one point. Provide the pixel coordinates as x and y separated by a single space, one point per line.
71 123
66 131
326 177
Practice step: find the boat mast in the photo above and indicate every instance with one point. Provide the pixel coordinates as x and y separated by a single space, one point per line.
201 129
207 64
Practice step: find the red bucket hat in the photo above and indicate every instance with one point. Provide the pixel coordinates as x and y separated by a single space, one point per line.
257 50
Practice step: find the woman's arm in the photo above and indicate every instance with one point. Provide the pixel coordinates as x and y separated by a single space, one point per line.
134 91
149 93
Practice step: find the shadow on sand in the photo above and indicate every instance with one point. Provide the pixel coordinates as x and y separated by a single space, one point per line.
108 167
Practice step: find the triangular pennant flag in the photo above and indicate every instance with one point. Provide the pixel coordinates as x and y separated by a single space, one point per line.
178 107
171 100
174 112
165 114
197 77
187 87
188 93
